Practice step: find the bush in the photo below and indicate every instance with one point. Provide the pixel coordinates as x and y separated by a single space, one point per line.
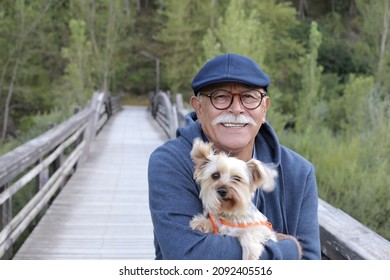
33 126
352 165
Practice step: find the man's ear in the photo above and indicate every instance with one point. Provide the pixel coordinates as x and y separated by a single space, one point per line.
265 106
195 103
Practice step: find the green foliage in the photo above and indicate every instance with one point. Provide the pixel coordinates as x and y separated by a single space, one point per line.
138 77
77 84
179 32
237 31
337 51
308 115
32 126
356 110
352 166
283 50
375 34
329 73
350 174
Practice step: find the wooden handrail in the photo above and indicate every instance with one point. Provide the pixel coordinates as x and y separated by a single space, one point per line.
43 155
342 237
163 111
169 115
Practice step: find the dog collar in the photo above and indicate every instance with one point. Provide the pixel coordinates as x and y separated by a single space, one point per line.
243 225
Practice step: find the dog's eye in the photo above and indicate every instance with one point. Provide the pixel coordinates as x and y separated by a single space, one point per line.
216 175
237 179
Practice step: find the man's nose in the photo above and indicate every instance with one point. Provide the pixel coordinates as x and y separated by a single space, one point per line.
236 104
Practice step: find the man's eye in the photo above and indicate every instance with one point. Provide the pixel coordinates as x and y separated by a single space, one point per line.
248 97
220 96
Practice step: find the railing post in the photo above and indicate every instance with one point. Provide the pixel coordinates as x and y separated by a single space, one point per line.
180 111
151 96
173 122
6 217
76 110
89 133
42 178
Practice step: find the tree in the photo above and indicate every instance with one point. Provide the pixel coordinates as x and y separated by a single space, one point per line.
27 17
184 23
106 24
375 34
77 84
308 112
238 31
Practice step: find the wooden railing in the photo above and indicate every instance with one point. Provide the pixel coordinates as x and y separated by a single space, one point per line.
342 237
44 164
162 109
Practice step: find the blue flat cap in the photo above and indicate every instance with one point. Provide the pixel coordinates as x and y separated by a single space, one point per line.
230 68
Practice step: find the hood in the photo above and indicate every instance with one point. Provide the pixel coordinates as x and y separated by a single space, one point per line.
267 145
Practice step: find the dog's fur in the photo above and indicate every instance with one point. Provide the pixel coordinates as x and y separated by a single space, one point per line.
227 186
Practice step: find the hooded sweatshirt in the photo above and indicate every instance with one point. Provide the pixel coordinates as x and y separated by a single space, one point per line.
174 200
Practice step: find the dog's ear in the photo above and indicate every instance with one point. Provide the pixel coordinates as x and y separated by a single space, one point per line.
262 175
201 153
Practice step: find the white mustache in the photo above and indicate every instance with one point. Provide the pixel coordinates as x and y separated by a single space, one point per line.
229 118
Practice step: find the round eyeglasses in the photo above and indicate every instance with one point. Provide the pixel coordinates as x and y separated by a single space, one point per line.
222 99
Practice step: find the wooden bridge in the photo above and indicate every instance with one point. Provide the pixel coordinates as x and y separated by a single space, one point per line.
88 177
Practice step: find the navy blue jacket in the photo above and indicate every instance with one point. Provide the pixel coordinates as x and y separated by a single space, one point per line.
174 200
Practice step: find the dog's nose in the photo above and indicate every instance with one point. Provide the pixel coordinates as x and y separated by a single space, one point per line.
222 192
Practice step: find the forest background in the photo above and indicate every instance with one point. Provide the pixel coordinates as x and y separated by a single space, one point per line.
329 63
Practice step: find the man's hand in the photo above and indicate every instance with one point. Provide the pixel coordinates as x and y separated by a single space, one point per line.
281 236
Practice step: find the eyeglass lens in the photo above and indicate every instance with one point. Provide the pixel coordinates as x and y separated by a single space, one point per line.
223 99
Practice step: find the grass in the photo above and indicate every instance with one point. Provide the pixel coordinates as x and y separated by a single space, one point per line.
135 100
352 173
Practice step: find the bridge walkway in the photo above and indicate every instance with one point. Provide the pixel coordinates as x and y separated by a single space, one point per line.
102 212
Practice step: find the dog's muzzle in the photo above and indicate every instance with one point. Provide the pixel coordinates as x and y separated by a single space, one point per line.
222 192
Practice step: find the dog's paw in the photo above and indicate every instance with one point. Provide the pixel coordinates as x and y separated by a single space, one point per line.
201 223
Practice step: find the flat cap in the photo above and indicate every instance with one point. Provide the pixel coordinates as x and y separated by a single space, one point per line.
230 68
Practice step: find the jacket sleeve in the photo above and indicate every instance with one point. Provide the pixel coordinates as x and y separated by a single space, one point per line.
308 231
302 223
173 201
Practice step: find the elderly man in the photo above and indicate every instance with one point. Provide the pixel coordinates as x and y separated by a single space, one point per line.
230 103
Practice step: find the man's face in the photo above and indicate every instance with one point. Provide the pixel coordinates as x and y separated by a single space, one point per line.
235 138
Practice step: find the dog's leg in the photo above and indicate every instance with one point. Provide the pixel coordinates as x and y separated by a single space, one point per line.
251 248
201 223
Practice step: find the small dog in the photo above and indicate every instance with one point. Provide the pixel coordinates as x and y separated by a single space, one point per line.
227 186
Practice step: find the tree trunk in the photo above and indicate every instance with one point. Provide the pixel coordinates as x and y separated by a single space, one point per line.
8 99
352 11
302 9
382 59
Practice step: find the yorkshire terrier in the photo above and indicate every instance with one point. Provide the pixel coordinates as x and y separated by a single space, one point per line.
227 186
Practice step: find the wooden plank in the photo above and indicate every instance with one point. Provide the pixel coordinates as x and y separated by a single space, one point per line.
17 226
103 212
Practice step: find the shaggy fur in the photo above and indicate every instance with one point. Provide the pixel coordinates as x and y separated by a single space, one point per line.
227 186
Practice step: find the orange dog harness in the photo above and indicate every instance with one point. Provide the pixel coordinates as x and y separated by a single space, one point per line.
244 225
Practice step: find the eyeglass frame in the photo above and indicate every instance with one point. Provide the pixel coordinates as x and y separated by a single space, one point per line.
209 95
